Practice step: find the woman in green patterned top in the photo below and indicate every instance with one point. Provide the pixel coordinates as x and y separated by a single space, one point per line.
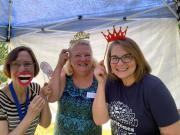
74 87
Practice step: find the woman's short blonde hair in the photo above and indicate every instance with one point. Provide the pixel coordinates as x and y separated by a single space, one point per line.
67 67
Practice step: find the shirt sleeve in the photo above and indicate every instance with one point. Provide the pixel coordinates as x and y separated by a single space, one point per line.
3 115
162 105
35 88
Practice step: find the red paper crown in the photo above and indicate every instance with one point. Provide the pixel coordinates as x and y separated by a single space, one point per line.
120 35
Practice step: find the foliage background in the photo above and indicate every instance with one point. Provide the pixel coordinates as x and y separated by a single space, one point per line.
3 54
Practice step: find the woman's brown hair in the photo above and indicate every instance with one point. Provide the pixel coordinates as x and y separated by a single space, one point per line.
12 56
142 66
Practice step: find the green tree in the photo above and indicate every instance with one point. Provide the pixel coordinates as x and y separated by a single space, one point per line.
3 54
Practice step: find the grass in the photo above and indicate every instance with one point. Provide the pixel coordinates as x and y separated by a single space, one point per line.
50 129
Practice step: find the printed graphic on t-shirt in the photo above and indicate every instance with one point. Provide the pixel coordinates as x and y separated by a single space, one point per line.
123 120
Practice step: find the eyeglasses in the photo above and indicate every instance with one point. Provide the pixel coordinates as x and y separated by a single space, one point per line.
125 58
16 64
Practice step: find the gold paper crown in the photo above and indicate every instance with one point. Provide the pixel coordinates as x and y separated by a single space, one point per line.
80 36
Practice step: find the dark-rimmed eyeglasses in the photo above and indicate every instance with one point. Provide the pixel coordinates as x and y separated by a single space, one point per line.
125 58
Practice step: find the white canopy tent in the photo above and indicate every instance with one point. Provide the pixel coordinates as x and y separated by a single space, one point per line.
48 26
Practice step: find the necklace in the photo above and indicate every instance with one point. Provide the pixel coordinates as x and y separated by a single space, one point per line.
18 106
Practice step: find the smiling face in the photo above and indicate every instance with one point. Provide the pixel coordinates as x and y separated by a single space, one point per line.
81 59
22 69
122 64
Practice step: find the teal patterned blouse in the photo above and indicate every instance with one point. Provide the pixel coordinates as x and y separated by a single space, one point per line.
74 116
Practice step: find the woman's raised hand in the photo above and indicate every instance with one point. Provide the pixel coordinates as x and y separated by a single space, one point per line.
63 56
45 91
100 72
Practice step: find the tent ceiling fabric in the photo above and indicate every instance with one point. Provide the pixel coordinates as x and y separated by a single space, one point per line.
38 14
25 12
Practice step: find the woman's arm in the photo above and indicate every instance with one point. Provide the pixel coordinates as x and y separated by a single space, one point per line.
99 109
173 129
34 110
57 81
19 130
45 118
3 127
163 107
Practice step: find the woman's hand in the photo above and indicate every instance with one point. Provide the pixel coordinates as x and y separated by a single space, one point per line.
45 91
63 56
100 72
35 107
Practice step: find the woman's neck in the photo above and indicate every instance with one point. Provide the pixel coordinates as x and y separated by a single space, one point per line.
20 92
128 81
83 81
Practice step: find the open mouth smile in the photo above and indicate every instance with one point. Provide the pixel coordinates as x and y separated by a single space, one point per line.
24 78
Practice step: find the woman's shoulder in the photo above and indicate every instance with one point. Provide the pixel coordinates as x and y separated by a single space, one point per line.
35 87
68 80
4 94
153 85
151 80
68 77
4 91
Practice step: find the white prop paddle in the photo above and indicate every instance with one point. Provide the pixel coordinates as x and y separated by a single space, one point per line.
46 68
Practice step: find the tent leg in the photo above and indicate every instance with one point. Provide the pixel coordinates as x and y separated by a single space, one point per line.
9 21
172 11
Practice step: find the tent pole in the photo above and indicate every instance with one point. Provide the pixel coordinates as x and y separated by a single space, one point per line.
61 23
178 10
9 21
131 17
172 11
46 29
2 37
